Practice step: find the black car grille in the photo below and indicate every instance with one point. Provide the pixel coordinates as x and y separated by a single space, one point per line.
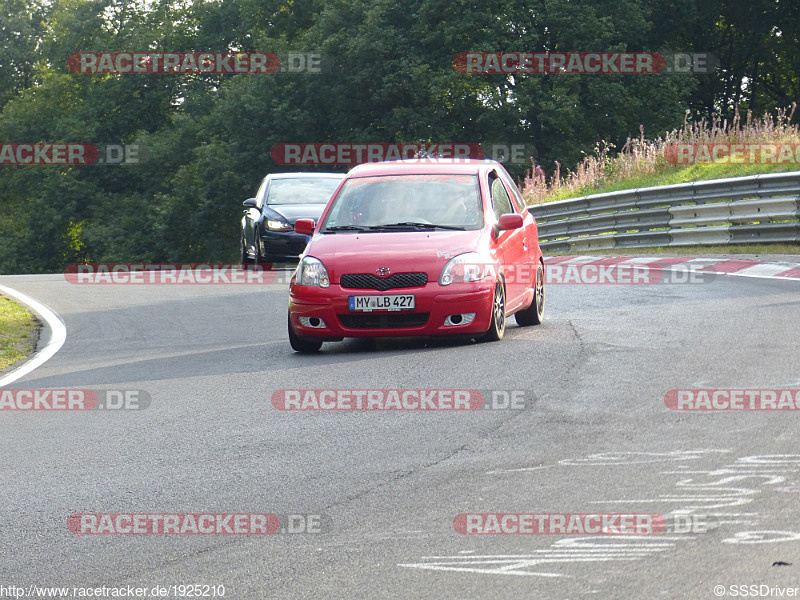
384 320
367 281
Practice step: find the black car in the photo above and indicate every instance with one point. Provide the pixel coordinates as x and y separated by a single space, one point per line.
268 223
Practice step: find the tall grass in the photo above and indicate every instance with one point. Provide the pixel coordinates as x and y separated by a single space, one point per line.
641 157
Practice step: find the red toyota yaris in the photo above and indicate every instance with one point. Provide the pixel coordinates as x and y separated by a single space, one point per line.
418 247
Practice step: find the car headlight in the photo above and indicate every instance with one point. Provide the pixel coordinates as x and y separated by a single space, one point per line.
464 268
311 272
275 225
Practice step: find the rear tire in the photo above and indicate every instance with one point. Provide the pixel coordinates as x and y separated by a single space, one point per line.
301 344
498 325
534 314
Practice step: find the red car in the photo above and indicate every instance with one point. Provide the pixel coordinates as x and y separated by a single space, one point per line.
418 247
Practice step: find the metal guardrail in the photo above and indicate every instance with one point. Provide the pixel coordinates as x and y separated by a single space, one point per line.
739 210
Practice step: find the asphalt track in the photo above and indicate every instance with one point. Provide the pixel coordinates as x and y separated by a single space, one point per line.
595 437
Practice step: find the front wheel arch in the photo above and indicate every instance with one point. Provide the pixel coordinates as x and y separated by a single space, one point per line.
534 314
497 325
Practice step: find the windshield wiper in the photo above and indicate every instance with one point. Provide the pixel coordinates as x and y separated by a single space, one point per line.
347 228
419 225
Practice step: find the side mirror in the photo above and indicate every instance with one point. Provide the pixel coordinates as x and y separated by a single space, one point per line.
304 226
511 221
249 203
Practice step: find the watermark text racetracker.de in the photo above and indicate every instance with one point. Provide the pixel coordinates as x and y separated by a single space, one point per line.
359 153
583 63
601 272
582 524
197 523
733 399
168 274
742 153
73 399
447 400
596 272
195 63
40 154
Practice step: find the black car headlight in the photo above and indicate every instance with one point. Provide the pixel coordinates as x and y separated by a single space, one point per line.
278 225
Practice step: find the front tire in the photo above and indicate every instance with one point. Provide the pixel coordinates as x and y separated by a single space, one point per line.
498 325
245 258
534 314
301 344
259 251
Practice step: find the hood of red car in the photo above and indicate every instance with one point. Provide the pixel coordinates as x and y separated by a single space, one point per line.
400 251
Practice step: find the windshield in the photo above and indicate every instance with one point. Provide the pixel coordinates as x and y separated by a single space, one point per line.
310 190
448 201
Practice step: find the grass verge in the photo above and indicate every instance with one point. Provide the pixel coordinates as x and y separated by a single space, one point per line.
645 162
670 176
19 332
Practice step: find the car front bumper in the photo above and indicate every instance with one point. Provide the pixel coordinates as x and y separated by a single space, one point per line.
433 304
282 246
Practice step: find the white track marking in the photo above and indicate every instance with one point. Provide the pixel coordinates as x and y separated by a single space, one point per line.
57 338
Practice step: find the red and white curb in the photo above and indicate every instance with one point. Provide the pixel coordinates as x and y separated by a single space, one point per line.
721 266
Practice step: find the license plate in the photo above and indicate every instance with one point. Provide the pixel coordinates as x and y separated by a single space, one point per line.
389 302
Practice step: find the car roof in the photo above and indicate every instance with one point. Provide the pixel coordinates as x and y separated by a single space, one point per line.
458 166
304 175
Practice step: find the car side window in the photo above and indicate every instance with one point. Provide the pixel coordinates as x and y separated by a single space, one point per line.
500 200
261 193
516 196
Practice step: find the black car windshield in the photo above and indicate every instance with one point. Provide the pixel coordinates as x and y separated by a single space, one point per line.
297 190
406 203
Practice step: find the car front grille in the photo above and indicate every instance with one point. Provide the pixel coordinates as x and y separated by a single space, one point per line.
384 320
367 281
